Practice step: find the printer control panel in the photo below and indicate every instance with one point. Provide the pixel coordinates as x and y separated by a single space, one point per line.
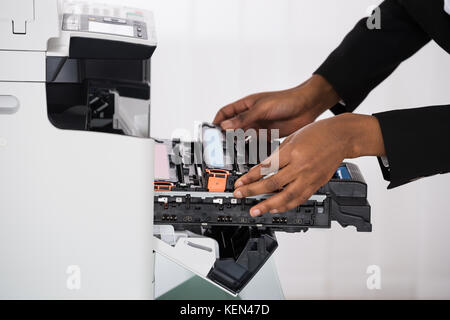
105 25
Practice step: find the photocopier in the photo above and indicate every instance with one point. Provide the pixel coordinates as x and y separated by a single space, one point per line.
88 196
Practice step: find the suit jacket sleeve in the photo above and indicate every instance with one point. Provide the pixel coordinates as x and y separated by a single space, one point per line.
368 56
417 143
416 140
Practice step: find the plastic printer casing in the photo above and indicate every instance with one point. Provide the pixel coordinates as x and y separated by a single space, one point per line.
76 207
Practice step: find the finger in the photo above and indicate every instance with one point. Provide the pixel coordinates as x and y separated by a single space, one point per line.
290 196
254 174
265 186
231 110
235 108
242 120
278 160
293 204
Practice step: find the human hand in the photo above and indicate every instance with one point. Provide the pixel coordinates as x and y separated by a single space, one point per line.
286 110
308 159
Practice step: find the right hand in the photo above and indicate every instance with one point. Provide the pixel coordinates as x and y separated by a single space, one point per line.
287 110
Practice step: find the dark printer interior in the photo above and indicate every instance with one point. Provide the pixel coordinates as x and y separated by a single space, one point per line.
82 89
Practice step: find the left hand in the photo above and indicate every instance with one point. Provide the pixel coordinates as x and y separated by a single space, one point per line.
308 159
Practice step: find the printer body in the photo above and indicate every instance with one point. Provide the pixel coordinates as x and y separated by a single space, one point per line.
76 182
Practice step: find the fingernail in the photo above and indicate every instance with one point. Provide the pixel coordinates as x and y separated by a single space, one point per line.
255 212
227 125
274 211
238 194
239 184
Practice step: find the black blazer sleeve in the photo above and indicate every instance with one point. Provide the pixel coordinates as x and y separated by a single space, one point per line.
417 141
368 56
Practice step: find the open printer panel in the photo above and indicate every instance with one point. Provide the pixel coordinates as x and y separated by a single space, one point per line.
197 196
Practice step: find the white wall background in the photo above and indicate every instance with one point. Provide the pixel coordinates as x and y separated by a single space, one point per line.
212 52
